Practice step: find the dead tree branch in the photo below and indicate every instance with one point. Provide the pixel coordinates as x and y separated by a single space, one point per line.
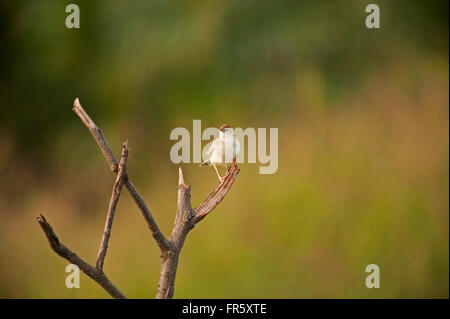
162 242
186 217
94 273
112 207
217 194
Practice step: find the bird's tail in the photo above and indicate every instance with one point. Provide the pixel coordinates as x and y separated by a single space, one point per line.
206 163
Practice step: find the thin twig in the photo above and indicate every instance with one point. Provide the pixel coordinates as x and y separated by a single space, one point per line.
95 274
162 241
112 207
96 134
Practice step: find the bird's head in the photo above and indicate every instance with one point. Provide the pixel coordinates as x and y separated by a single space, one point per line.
225 129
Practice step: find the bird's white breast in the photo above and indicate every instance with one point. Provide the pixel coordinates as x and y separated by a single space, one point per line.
224 149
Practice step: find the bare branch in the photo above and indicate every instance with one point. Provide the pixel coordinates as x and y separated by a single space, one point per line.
181 227
112 207
162 241
96 134
217 194
185 220
95 274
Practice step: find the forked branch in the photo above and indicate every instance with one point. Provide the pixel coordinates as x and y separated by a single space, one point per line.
94 273
162 242
186 217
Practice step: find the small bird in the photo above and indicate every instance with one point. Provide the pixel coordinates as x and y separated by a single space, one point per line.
223 150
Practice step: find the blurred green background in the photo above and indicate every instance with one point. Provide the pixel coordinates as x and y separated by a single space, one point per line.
363 144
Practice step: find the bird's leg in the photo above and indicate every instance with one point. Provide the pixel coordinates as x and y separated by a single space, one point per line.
217 171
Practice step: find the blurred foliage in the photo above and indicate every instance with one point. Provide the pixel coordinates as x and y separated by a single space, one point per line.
363 153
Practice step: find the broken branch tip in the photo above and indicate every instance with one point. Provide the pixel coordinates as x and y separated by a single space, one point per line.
180 176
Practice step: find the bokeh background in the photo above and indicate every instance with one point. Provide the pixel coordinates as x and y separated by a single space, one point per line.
363 144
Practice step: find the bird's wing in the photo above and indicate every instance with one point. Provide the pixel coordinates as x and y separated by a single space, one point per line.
237 146
207 150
